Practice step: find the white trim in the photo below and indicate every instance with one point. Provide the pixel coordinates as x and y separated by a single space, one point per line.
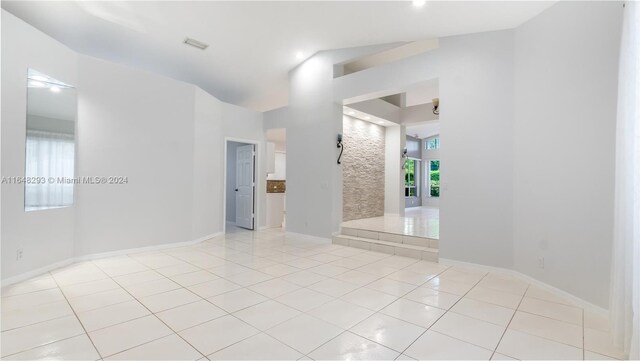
558 292
257 171
307 237
53 266
145 249
36 272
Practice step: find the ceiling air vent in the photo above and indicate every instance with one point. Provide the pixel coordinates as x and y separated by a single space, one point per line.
195 43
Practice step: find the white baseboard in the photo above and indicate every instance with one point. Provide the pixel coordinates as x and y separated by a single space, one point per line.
576 300
36 272
145 249
207 237
308 237
53 266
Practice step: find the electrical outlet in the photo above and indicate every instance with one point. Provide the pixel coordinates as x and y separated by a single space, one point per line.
541 262
19 254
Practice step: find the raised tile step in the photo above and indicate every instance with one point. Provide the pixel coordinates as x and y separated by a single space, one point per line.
377 245
390 237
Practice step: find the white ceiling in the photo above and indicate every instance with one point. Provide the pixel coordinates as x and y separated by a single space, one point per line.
366 117
45 103
422 94
252 44
424 130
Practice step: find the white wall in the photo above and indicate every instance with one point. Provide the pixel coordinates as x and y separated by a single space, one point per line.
418 114
395 141
241 124
387 79
275 209
208 149
166 136
276 118
476 119
46 236
280 171
139 125
565 104
314 182
215 122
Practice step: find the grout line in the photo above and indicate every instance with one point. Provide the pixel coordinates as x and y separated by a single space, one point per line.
447 311
584 353
279 245
152 313
3 298
307 312
377 312
509 324
77 318
245 287
548 318
37 323
50 343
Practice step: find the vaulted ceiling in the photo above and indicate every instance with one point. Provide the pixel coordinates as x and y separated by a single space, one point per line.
252 45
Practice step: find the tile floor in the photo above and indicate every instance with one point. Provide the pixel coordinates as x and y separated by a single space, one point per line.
261 295
417 221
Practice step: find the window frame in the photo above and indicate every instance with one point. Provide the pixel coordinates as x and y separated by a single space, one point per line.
416 178
436 139
429 181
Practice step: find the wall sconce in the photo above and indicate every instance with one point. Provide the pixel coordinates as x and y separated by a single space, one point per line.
340 146
436 103
404 157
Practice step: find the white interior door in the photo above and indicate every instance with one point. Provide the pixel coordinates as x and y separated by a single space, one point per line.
245 185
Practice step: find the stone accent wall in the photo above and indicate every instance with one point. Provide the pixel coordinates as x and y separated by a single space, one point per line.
362 169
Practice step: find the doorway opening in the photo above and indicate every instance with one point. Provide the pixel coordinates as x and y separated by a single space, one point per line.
413 187
391 183
276 177
240 185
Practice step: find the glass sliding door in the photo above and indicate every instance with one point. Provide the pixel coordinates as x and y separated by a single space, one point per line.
434 178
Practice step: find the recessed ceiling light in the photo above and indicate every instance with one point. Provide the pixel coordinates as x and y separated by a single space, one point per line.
380 122
299 55
367 118
196 44
55 89
351 112
419 3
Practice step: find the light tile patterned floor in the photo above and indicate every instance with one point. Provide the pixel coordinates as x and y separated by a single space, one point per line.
261 295
417 221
